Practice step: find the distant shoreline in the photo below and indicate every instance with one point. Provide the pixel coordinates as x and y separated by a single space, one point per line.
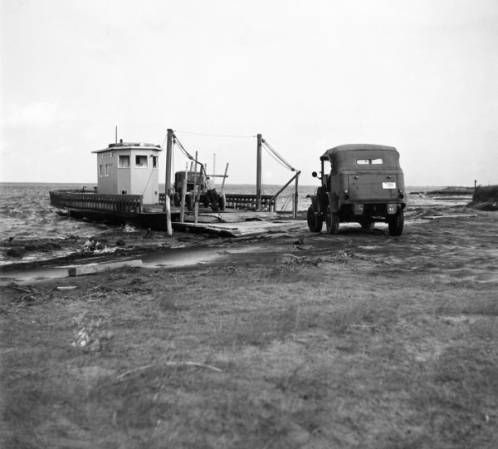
411 189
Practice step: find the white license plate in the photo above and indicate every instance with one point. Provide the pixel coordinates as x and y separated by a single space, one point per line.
388 185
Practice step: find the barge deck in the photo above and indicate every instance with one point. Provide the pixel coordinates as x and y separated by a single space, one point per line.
241 219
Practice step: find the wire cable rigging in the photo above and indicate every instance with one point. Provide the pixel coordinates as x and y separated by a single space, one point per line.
277 160
241 136
284 162
186 153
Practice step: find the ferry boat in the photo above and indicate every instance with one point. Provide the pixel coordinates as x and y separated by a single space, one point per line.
128 190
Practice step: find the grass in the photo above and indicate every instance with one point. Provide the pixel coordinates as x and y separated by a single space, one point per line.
299 355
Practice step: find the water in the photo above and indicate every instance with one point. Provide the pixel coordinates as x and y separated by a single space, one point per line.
26 216
25 212
174 258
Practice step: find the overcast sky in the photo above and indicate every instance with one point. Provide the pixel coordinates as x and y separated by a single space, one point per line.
421 75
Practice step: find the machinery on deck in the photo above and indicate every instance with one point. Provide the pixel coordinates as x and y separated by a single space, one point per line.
196 183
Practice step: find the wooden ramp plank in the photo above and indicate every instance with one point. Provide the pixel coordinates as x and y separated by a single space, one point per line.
243 229
231 216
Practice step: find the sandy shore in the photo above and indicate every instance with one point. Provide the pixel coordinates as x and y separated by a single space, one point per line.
297 340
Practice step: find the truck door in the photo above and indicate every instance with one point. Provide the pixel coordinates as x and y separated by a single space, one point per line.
335 187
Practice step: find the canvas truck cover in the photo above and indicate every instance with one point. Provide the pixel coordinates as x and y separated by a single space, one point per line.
346 157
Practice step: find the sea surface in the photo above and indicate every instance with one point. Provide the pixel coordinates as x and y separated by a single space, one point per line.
26 214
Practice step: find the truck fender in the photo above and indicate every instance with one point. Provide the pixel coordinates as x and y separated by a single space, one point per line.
334 202
315 204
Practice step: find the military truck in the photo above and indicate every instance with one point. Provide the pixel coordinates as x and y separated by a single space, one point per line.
359 183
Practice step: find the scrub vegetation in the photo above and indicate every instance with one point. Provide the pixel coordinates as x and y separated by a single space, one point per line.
354 340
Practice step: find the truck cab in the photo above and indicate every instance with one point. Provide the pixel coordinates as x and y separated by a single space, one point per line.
360 183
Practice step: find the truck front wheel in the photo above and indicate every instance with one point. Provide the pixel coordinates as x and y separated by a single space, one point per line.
332 221
315 222
396 223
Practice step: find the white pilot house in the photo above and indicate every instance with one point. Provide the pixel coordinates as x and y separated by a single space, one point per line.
129 168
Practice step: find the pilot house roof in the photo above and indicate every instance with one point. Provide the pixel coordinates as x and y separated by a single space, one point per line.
130 146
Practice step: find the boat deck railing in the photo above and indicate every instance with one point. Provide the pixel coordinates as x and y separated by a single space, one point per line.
242 201
133 204
78 199
248 201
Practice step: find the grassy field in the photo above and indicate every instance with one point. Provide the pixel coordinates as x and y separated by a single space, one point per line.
356 340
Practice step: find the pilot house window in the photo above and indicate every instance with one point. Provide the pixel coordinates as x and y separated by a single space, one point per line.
141 161
124 161
154 161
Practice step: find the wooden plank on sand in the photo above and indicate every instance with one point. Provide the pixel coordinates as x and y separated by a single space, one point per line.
231 217
91 268
244 229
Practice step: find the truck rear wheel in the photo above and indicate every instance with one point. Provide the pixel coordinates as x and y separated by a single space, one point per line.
332 221
396 223
315 222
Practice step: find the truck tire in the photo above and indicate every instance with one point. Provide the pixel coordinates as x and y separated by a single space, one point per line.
315 222
396 223
332 220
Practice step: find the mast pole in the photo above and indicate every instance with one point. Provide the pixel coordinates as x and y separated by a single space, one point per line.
169 152
167 183
296 194
259 138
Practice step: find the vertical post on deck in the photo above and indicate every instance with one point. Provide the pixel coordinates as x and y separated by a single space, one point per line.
296 193
196 203
184 193
116 134
167 183
224 178
259 138
196 188
194 193
169 153
167 206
